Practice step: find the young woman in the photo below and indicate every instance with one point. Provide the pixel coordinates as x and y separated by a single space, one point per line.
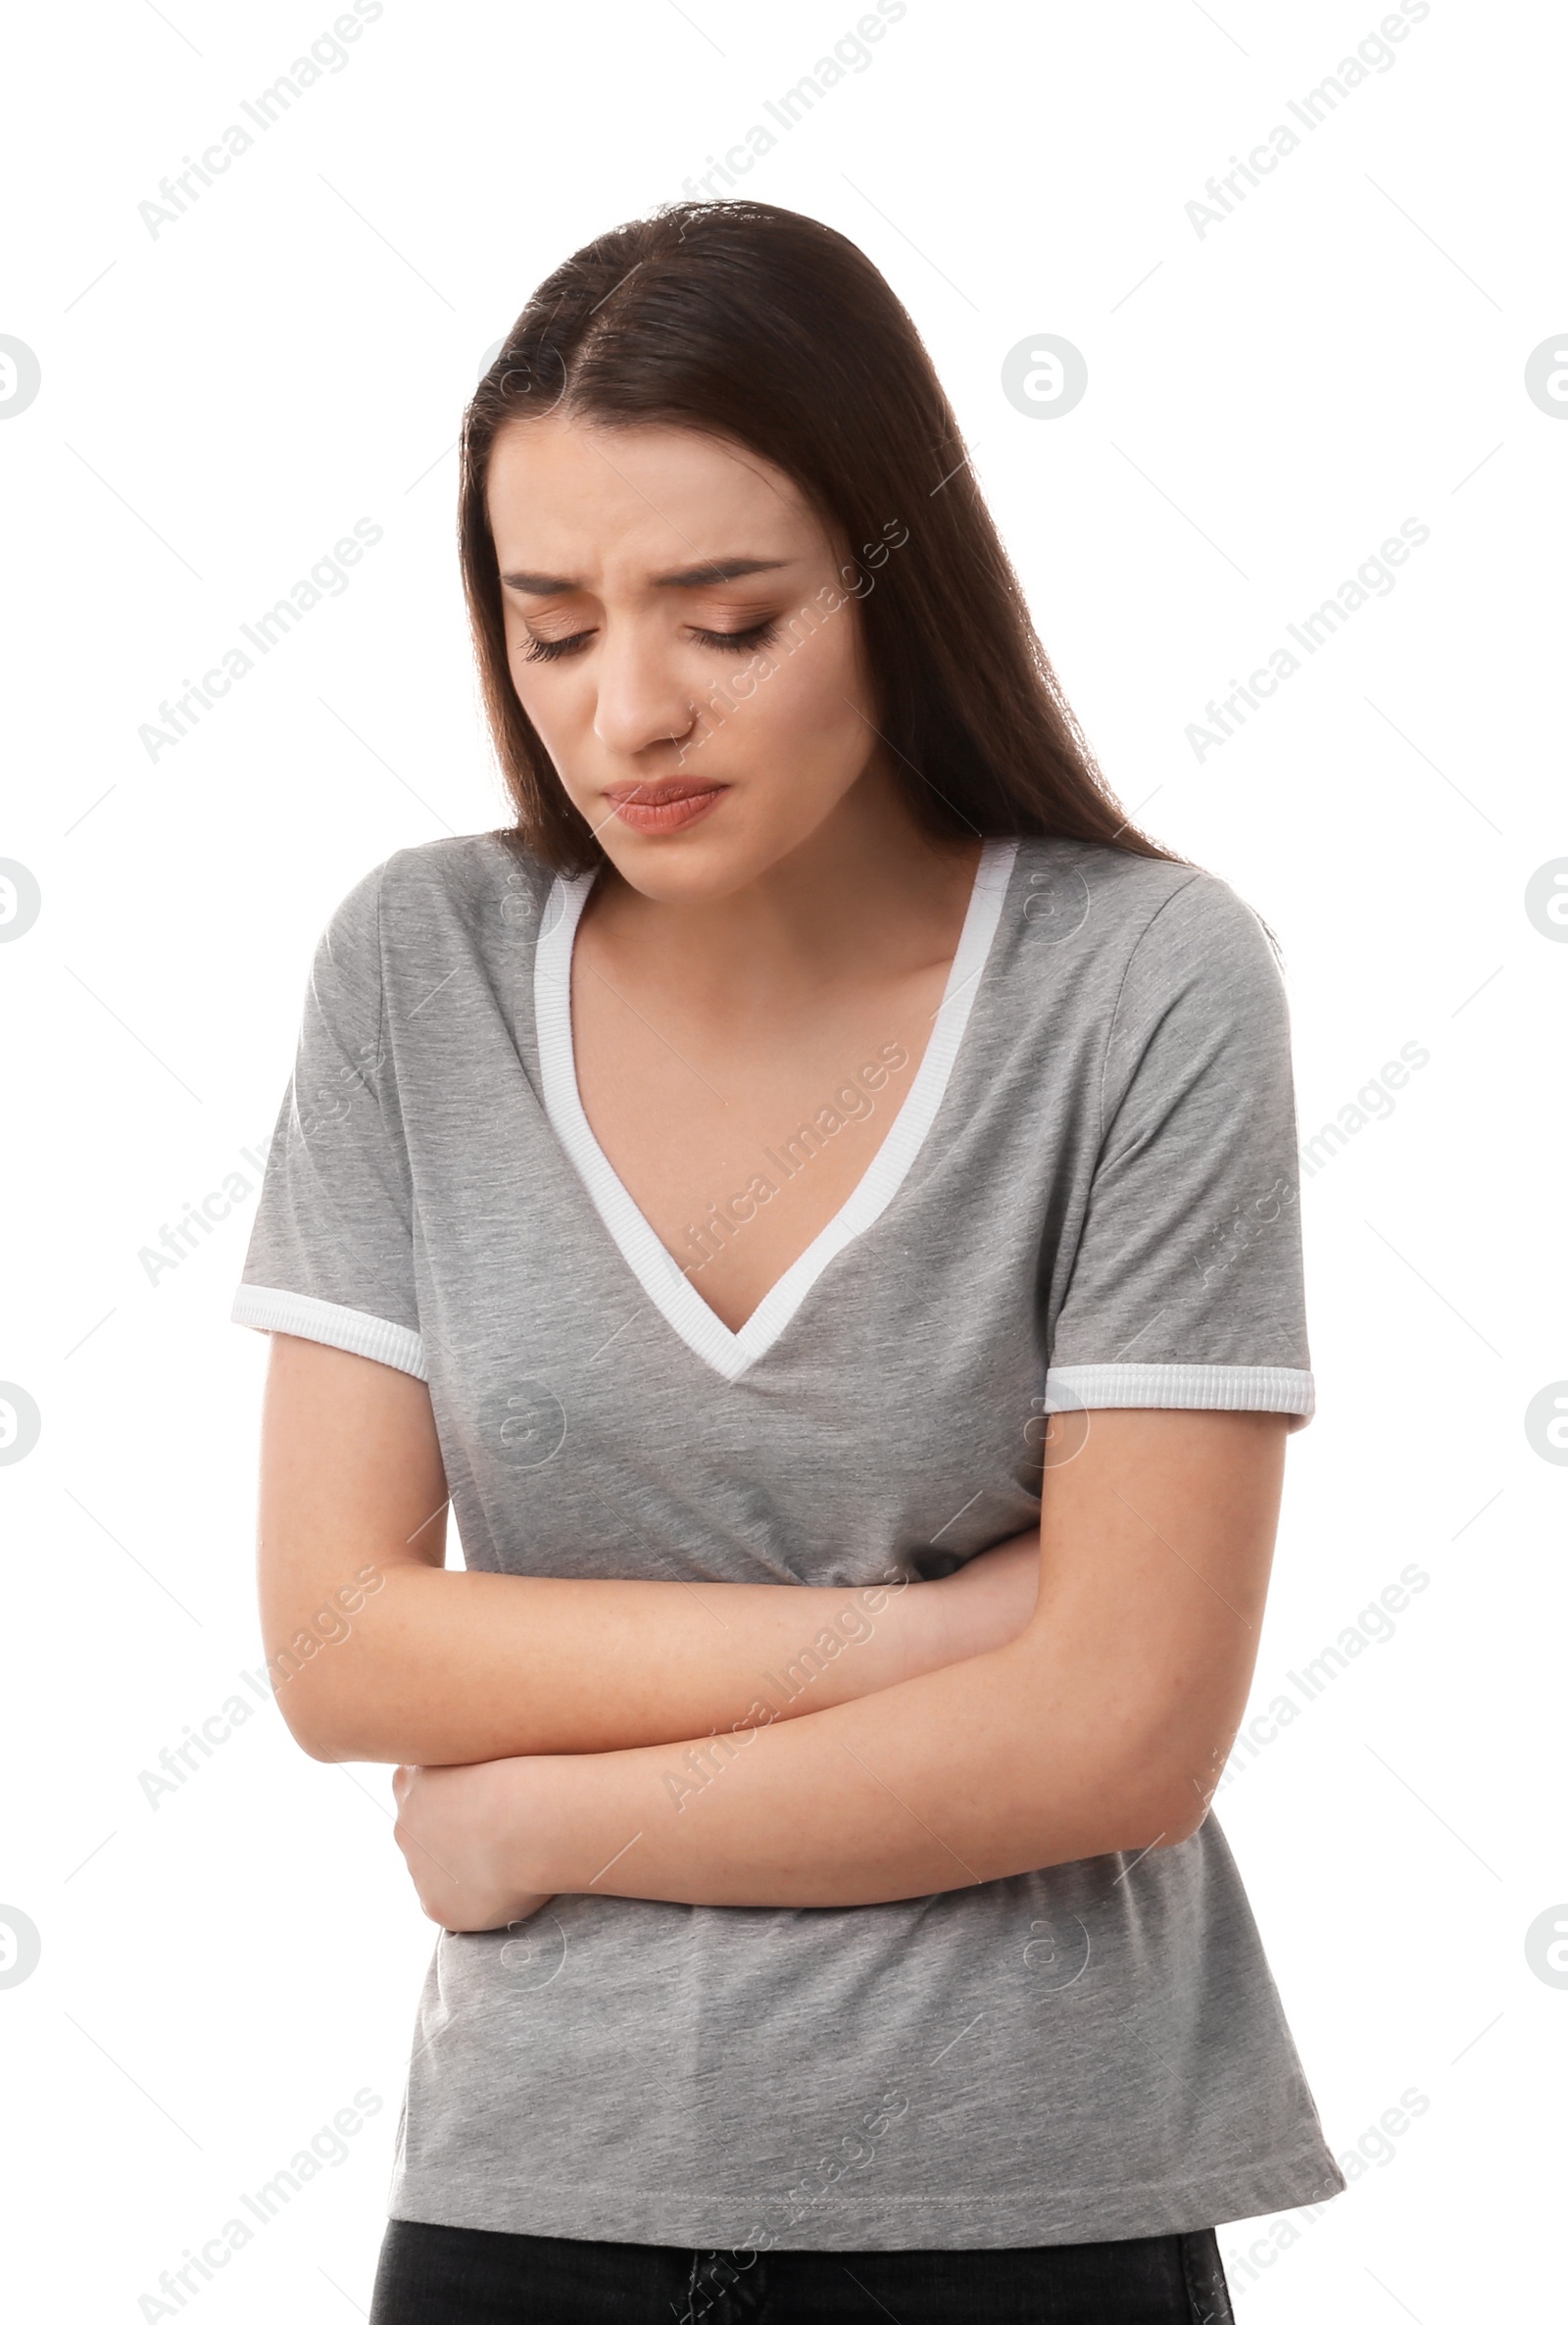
817 1197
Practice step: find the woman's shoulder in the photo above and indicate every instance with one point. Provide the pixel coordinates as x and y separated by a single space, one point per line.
476 868
474 879
1127 891
1139 917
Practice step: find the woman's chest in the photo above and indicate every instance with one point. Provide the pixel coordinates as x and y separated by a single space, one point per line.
740 1133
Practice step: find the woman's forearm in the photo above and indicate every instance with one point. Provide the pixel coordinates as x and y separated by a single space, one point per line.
1020 1758
958 1777
445 1666
1100 1727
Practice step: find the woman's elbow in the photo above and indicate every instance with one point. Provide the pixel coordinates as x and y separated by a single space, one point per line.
312 1699
315 1726
1158 1801
1175 1803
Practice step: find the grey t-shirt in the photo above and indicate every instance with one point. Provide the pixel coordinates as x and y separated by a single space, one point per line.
1087 1196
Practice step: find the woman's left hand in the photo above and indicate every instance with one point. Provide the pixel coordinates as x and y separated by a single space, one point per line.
466 1834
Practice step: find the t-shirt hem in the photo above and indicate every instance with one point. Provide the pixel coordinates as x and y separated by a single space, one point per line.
268 1310
1210 1388
973 2221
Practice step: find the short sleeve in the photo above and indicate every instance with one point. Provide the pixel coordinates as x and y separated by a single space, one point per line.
1184 1288
331 1254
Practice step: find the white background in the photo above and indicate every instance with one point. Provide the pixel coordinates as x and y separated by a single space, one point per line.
1267 402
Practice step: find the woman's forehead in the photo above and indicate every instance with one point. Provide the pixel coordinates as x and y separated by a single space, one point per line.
568 497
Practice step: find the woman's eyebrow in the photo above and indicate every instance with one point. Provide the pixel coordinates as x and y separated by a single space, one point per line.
728 569
699 577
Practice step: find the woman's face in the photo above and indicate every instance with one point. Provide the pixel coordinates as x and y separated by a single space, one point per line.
682 636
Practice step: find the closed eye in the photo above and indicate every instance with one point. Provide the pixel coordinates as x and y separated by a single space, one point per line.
740 641
724 641
551 649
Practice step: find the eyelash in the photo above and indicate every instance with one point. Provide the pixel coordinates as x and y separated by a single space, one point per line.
727 641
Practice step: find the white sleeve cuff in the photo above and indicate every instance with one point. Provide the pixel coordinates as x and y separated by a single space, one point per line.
362 1335
1191 1388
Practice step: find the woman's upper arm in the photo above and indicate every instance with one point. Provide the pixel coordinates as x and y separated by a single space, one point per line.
1156 1538
352 1486
1178 1347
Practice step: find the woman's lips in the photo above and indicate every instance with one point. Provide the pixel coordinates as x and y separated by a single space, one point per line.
663 807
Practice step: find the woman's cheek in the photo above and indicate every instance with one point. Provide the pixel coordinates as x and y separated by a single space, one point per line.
808 702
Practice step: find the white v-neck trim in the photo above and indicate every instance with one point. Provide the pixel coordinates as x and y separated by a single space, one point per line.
687 1313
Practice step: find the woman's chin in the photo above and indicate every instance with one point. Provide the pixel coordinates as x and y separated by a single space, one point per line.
708 860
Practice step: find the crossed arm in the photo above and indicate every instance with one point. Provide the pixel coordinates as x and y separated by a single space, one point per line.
1052 1702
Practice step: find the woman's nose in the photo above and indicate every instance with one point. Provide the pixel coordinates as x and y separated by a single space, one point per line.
642 699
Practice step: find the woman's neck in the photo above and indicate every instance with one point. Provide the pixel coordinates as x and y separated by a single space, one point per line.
869 894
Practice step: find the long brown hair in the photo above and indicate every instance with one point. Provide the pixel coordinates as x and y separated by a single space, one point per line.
769 329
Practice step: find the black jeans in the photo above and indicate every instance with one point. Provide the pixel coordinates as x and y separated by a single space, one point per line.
475 2276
